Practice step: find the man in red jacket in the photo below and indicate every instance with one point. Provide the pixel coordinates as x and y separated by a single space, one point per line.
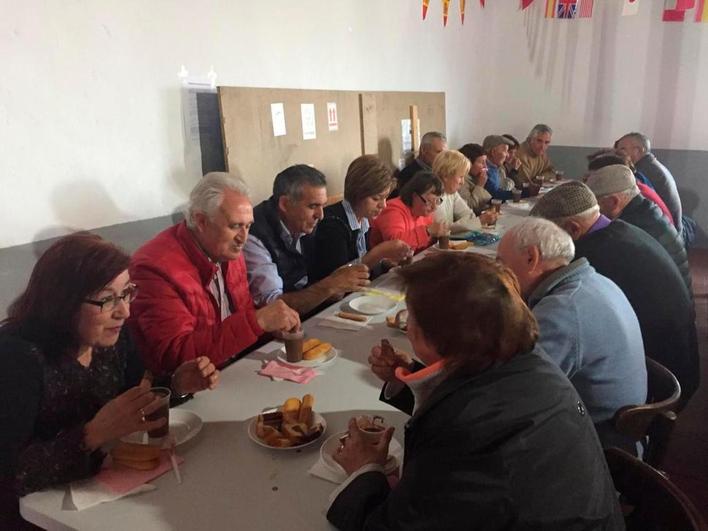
193 296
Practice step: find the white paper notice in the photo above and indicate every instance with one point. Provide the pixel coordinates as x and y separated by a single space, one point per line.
406 138
309 131
332 120
277 113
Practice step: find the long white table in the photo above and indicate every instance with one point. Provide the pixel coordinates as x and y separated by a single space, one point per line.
229 481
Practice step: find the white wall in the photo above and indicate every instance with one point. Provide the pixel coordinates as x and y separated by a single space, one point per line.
595 79
90 106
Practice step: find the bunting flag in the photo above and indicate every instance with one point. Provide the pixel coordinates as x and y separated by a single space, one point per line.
550 8
677 13
567 8
630 7
525 4
481 2
462 11
446 8
702 11
426 3
585 10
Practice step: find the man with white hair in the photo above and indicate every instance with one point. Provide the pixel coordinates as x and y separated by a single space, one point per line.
532 155
586 323
431 144
637 147
641 268
193 296
618 197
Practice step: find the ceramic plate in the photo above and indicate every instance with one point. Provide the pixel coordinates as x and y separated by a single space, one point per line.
252 434
184 425
319 362
372 304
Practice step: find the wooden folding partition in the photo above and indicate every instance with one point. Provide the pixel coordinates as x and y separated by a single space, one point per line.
368 122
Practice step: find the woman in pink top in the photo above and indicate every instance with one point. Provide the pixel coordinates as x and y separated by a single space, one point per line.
409 217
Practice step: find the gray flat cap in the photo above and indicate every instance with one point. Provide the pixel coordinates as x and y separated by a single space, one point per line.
611 180
492 141
568 199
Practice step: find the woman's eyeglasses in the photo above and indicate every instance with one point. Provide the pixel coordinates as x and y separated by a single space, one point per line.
108 304
436 202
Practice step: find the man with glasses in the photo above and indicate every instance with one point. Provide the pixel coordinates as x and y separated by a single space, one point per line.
280 248
194 297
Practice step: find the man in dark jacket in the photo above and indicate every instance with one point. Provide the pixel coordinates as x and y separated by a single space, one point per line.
431 145
618 198
280 245
642 269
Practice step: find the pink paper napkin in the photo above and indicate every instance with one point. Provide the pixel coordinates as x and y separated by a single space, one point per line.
280 371
122 480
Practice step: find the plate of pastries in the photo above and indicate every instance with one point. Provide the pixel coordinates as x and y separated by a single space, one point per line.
290 426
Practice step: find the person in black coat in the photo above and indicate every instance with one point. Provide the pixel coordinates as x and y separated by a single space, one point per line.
498 437
431 145
341 236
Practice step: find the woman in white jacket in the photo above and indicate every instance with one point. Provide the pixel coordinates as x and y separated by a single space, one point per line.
451 167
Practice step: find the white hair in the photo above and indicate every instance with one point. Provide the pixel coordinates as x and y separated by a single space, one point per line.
641 139
552 241
208 194
579 217
625 195
430 137
539 129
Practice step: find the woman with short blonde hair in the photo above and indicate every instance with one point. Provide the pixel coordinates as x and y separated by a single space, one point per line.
451 167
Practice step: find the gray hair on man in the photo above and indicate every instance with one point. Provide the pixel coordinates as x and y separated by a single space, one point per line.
641 139
430 136
579 217
539 129
552 242
208 194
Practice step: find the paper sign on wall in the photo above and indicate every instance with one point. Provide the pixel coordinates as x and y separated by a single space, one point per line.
406 138
277 114
332 120
307 110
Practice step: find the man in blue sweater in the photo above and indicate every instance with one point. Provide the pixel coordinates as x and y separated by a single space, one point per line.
587 325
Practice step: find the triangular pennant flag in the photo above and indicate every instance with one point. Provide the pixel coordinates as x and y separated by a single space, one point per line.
585 10
446 8
630 7
426 3
462 11
550 8
702 11
525 4
481 2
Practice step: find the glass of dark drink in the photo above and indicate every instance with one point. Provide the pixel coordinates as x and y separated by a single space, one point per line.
444 240
163 394
293 345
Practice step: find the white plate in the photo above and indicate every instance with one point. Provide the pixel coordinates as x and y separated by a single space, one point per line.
372 304
329 448
252 434
184 425
319 362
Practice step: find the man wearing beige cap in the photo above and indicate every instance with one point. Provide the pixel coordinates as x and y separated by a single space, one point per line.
618 196
642 269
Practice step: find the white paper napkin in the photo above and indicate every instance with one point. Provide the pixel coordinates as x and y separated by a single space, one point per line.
332 321
84 494
320 470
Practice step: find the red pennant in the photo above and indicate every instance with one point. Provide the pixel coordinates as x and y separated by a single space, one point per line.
462 11
425 8
525 4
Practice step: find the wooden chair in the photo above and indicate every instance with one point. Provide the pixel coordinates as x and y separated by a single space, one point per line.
656 418
650 501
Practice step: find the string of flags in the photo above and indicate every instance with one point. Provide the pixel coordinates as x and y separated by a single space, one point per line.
674 10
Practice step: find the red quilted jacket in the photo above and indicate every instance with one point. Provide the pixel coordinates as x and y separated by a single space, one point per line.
175 318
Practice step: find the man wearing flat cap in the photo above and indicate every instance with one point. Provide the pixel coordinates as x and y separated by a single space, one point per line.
642 269
498 184
618 197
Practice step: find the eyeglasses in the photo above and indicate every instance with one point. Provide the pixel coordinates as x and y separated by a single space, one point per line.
108 304
437 202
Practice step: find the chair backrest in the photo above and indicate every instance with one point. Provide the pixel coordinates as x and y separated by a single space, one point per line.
649 500
656 418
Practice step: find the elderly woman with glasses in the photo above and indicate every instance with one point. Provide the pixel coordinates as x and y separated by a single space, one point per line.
70 379
409 217
498 438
